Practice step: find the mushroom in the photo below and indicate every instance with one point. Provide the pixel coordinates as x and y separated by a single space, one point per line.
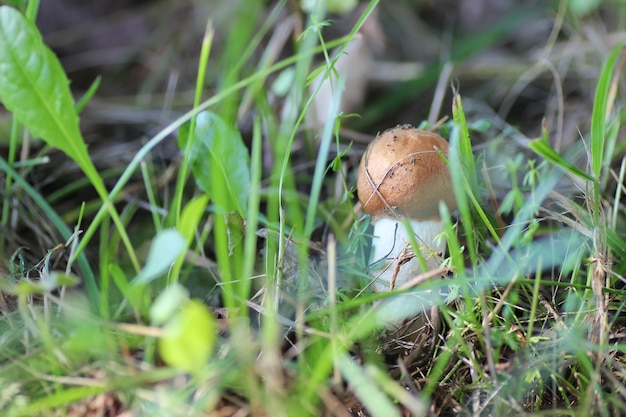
402 179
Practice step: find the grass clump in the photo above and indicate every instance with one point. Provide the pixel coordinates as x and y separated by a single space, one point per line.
230 278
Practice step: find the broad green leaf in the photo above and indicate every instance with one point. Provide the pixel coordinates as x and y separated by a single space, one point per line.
34 87
166 247
220 162
188 338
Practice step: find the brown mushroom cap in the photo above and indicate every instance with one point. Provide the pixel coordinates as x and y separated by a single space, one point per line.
405 166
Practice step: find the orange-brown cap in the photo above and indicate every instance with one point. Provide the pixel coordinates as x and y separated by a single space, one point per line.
402 173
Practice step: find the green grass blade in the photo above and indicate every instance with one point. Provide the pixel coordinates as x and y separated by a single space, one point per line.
598 127
91 91
458 176
542 148
183 172
240 44
599 115
32 9
88 275
187 226
325 141
254 200
466 154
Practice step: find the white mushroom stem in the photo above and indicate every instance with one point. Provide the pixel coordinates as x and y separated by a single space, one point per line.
391 246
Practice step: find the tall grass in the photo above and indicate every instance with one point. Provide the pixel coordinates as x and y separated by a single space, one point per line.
286 329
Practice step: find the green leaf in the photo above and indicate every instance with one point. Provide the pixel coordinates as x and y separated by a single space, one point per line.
119 278
458 174
16 3
598 117
34 87
466 154
512 202
188 338
220 162
189 219
167 302
166 247
136 295
542 148
192 213
91 91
